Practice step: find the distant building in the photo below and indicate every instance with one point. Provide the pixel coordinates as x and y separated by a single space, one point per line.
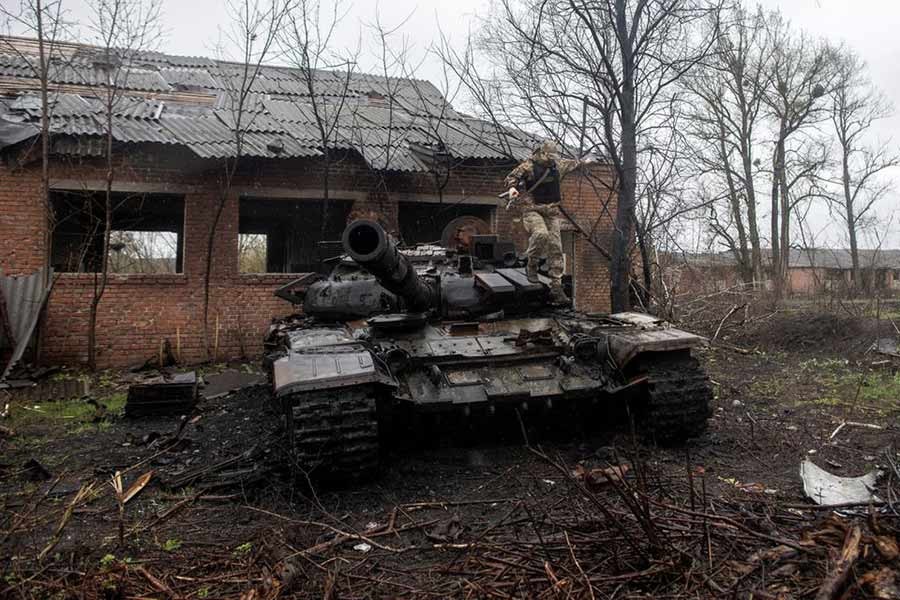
810 271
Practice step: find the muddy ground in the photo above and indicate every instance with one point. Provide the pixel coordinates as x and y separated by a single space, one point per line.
724 516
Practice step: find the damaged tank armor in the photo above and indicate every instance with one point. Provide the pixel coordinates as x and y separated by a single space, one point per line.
395 332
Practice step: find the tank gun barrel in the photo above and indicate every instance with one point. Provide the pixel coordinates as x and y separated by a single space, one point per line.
369 245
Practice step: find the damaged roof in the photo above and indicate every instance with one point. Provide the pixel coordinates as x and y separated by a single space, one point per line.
394 124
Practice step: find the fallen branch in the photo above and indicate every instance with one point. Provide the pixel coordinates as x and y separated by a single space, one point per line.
833 584
341 534
733 310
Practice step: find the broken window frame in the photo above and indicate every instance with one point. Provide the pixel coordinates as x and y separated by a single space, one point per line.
79 222
280 213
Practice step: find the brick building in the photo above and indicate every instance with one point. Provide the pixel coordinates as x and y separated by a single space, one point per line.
811 271
400 153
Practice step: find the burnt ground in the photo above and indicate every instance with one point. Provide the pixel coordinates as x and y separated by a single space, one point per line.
724 516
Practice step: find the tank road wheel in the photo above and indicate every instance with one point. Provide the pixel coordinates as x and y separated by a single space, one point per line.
677 404
334 434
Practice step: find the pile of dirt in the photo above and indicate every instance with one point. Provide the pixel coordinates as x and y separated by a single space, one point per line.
819 333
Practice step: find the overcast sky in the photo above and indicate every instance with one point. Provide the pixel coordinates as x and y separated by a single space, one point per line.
868 26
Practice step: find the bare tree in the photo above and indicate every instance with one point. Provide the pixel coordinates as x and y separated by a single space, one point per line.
45 20
725 126
252 253
800 73
254 27
597 75
123 30
855 106
325 74
143 252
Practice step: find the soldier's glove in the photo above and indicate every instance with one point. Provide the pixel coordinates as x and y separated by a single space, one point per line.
513 195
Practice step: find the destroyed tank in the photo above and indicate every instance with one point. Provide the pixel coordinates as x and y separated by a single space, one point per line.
393 333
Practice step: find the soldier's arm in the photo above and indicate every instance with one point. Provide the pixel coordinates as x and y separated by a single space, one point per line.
517 175
565 166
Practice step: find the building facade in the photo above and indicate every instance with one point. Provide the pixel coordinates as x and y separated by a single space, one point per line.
178 183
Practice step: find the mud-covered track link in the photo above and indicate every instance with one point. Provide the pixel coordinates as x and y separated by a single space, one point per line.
677 404
333 435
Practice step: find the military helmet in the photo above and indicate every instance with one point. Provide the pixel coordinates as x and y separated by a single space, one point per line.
545 151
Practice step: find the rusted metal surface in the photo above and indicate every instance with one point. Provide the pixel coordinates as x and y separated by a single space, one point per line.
23 298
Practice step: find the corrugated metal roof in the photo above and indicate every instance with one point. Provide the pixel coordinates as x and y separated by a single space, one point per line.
188 78
277 110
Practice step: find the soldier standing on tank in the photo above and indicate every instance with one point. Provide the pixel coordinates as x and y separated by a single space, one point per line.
534 190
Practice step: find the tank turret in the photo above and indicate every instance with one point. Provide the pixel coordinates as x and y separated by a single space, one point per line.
367 243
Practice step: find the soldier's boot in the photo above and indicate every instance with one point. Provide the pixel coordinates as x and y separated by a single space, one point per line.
557 295
531 271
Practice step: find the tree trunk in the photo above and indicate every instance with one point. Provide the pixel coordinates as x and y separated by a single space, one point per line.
624 231
785 242
777 170
100 288
745 267
646 292
750 200
45 141
326 177
851 219
210 242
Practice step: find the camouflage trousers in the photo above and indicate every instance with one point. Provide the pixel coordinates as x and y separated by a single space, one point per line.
541 221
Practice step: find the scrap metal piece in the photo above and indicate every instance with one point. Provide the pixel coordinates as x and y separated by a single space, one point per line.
226 382
826 489
174 395
23 298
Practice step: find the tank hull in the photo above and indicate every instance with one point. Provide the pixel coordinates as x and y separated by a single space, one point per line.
555 361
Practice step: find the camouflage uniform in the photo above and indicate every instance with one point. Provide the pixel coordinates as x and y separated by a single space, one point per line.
540 210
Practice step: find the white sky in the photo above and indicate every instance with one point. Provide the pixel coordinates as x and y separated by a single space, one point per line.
871 27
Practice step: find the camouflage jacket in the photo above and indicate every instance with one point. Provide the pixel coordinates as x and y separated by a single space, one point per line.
517 176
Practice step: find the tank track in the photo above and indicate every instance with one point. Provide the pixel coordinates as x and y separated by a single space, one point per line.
333 434
677 405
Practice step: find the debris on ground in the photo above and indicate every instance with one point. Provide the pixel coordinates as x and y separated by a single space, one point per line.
221 517
826 489
33 470
163 395
601 475
887 346
30 391
221 384
242 471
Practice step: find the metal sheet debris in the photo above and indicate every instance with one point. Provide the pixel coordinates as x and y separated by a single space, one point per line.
889 346
22 299
222 384
826 489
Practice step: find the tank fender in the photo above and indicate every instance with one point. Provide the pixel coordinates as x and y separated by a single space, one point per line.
624 347
326 370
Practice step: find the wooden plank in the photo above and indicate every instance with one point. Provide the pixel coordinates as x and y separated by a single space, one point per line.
495 283
518 278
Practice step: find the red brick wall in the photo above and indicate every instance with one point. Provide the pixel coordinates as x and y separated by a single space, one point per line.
139 312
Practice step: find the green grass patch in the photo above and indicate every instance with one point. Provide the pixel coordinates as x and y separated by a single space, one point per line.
76 415
839 384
